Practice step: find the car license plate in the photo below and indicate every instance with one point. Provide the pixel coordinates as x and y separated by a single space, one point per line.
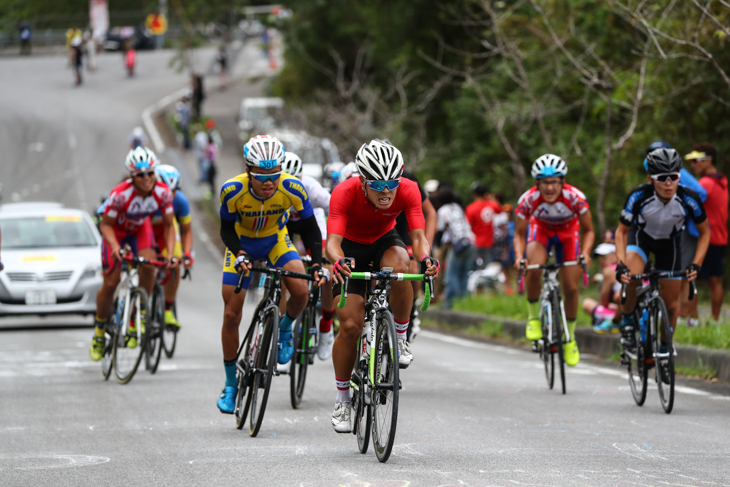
40 297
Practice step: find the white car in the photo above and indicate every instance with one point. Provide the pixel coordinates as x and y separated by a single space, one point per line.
52 260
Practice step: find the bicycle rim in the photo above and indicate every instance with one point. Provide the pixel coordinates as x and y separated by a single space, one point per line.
107 356
666 391
126 357
385 391
558 326
244 378
547 356
154 334
300 359
266 361
169 336
638 371
363 417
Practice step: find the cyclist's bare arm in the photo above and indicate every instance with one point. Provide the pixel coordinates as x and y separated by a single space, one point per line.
168 221
431 217
106 227
519 240
186 237
589 235
334 254
422 248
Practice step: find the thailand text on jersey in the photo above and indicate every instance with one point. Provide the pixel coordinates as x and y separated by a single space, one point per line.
130 209
563 212
355 218
661 220
256 217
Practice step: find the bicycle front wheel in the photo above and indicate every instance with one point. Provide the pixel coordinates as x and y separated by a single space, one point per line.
266 358
244 367
129 337
385 386
637 364
663 355
558 336
169 335
300 360
548 359
107 356
153 350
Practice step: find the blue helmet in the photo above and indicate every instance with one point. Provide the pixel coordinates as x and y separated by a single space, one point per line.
549 165
169 175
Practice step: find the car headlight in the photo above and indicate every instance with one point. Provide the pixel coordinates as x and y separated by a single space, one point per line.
91 272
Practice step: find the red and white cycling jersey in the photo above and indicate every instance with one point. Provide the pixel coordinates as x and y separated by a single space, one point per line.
130 209
562 213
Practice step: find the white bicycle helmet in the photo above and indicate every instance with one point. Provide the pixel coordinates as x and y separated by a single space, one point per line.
549 165
141 159
169 175
379 161
264 151
349 171
292 165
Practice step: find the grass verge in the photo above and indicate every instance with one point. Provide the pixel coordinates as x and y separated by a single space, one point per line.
704 372
514 307
713 336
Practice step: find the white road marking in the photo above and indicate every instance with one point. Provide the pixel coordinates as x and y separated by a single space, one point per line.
148 112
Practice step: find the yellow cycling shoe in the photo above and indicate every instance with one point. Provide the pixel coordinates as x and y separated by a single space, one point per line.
96 350
571 354
534 330
132 333
171 319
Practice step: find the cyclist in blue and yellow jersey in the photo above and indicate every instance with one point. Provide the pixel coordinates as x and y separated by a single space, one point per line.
254 211
183 235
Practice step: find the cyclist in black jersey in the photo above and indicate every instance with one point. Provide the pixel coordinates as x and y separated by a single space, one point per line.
658 211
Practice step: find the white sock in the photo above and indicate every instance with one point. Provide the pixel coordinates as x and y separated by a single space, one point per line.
402 329
343 389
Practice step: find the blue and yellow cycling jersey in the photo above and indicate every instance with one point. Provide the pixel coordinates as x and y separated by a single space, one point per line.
257 218
180 208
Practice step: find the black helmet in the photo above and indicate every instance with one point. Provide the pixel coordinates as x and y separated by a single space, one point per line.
663 161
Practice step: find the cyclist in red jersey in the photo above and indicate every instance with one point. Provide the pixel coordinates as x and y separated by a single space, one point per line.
361 230
556 212
126 221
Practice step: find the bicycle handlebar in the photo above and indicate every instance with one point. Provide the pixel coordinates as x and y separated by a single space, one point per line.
388 276
553 266
269 270
659 275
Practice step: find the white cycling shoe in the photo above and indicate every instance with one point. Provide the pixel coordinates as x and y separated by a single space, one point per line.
341 417
324 347
405 356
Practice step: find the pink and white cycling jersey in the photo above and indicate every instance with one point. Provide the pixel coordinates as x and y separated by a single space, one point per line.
130 209
562 213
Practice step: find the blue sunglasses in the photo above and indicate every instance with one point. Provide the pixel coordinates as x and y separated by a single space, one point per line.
266 177
381 185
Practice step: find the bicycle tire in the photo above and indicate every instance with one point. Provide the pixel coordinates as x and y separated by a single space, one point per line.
169 336
127 359
300 359
107 354
546 355
558 325
362 412
638 370
666 391
265 362
155 332
384 401
244 379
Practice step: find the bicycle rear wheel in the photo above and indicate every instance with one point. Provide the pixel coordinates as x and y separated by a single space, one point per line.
638 370
386 385
558 334
156 322
545 352
107 355
266 358
169 335
300 359
664 362
129 341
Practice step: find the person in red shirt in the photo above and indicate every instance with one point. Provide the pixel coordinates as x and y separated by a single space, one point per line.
703 158
126 222
479 214
361 230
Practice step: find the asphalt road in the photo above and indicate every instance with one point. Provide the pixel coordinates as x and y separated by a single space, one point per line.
470 413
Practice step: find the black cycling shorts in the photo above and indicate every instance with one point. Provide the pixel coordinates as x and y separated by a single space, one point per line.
667 251
364 255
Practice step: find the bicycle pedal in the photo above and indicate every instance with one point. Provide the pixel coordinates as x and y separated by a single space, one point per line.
535 347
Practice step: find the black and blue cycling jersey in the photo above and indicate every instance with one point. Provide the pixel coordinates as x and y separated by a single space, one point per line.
657 219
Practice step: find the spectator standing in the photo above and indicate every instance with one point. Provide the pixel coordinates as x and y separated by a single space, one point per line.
78 55
200 144
182 109
24 35
480 215
71 34
461 256
130 56
198 96
222 60
704 159
90 49
502 250
606 318
211 155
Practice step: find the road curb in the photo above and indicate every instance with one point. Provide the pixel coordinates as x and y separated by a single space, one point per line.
588 341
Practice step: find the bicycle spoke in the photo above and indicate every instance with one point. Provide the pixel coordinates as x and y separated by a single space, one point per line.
385 392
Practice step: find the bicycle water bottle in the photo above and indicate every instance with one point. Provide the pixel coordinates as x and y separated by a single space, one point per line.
642 324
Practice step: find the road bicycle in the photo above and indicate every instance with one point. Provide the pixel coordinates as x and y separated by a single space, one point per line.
257 356
654 343
155 328
125 338
169 334
375 377
555 331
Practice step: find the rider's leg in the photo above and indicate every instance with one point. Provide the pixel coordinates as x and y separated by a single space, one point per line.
298 296
635 261
232 312
147 272
401 292
569 277
669 291
352 319
536 253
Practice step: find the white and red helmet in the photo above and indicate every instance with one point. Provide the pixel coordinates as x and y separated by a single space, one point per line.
141 159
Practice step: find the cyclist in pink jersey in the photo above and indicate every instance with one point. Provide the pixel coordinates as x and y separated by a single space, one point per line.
550 216
361 230
126 222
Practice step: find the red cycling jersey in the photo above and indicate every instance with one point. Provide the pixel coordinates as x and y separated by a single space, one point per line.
356 219
563 213
130 210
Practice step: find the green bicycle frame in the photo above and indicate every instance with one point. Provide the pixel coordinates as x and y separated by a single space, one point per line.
366 276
